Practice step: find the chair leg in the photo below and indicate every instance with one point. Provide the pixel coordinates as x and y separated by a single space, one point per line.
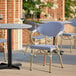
61 43
26 49
44 60
75 43
70 46
4 56
31 60
50 63
4 52
60 60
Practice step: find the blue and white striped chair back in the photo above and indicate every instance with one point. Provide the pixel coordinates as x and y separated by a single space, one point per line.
51 28
73 22
33 25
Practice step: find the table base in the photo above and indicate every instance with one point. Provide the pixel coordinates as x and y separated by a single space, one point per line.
5 66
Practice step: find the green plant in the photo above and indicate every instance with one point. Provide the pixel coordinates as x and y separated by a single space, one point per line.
33 7
68 10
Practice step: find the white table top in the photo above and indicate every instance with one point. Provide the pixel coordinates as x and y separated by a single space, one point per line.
15 26
64 22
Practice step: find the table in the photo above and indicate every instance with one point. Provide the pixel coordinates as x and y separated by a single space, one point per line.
9 28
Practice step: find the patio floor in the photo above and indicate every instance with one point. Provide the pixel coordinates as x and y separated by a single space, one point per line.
69 61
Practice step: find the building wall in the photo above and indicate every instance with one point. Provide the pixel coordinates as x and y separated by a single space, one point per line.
60 14
3 11
11 11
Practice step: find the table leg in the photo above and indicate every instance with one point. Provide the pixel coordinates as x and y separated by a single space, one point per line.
9 43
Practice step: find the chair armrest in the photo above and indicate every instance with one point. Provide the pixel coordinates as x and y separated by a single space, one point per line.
37 38
32 35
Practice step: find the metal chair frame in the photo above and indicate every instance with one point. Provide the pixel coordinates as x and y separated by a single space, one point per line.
71 38
44 52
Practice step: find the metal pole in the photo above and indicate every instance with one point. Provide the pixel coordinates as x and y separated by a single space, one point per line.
9 38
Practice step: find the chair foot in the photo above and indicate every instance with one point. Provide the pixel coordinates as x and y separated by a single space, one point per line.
43 64
31 60
62 67
60 60
30 69
49 72
50 64
44 60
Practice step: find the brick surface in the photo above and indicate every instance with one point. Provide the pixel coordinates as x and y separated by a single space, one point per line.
10 9
59 14
11 12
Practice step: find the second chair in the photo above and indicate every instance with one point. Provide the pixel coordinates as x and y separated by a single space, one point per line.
51 29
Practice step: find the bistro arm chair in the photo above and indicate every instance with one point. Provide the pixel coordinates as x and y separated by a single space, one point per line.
3 41
35 37
69 36
50 29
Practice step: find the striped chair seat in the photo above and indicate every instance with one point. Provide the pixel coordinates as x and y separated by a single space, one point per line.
2 40
69 34
42 47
